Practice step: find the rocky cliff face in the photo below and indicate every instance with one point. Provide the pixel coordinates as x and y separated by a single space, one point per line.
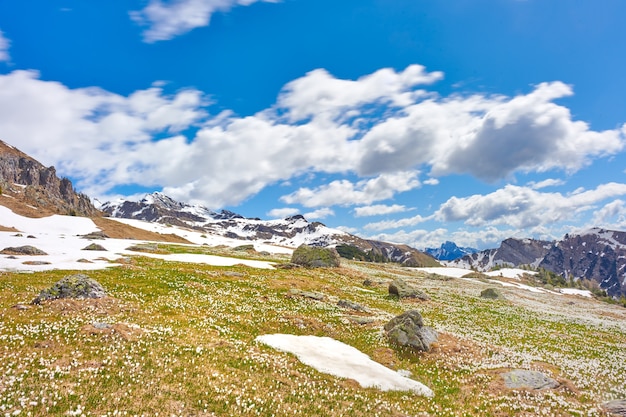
27 180
596 254
512 252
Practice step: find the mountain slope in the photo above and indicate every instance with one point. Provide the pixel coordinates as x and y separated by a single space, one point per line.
449 251
291 232
25 180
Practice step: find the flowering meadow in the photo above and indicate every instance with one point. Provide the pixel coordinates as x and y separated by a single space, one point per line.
178 339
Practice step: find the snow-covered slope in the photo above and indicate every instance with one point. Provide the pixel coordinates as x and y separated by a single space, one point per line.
290 232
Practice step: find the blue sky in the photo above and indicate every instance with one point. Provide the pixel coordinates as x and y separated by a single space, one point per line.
402 120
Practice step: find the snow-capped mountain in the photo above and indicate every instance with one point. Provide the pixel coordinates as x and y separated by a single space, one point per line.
449 251
596 254
292 231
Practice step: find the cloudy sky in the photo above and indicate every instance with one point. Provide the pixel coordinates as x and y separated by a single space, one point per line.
404 120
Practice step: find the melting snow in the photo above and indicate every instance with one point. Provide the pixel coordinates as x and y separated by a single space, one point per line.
332 357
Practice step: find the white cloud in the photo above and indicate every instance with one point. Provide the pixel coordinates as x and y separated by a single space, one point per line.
319 94
378 210
4 48
281 213
379 127
523 207
611 216
319 213
550 182
346 193
166 20
396 224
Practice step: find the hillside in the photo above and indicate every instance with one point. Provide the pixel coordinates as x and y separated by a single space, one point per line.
178 333
29 187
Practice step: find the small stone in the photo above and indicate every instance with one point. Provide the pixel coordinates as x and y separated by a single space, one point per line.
402 289
520 378
318 296
351 305
94 246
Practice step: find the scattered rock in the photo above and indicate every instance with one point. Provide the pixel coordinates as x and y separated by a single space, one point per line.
31 237
94 246
18 235
402 289
520 378
616 407
84 261
362 320
368 282
36 263
318 296
350 305
245 248
99 235
287 266
492 294
11 257
233 274
23 250
72 286
315 257
408 330
20 306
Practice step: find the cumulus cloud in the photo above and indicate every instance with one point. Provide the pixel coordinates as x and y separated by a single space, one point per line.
383 128
168 19
346 193
549 182
4 48
524 207
611 215
281 213
321 213
378 210
395 224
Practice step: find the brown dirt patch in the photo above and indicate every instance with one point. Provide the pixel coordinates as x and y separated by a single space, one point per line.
8 229
117 230
100 306
15 203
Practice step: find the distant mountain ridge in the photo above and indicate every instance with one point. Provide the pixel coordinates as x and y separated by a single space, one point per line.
292 231
596 254
449 251
26 180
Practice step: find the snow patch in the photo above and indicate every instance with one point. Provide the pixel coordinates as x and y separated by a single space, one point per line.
332 357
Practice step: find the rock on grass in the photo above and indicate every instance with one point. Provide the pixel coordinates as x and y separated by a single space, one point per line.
72 286
315 257
408 330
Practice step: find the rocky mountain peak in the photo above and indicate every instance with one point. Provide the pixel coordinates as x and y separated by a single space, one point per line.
29 181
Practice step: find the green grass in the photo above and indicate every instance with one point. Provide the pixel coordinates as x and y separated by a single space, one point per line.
195 352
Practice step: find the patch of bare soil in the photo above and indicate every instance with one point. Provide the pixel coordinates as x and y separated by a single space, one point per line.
15 202
117 230
8 229
105 306
127 331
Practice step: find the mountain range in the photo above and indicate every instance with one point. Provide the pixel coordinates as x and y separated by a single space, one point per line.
30 188
292 231
596 254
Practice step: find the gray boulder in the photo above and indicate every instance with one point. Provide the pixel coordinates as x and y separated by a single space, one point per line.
492 294
72 286
315 257
401 289
94 246
520 378
615 407
23 250
408 330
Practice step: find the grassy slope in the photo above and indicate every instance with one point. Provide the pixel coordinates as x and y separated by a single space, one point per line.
194 352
